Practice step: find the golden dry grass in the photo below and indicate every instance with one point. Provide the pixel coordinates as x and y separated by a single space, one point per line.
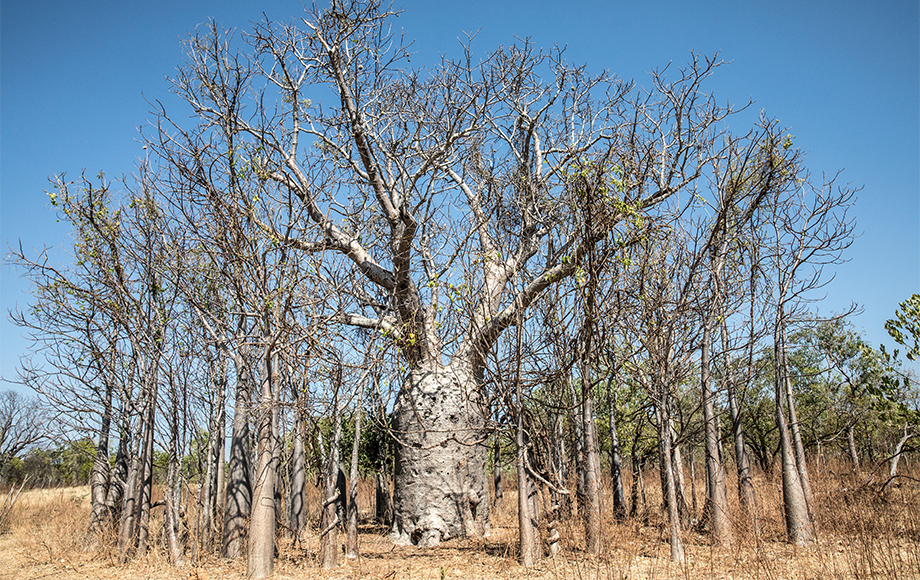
862 535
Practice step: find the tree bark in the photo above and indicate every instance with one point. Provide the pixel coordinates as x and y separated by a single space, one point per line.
296 509
851 446
616 472
238 500
800 462
351 536
99 480
592 514
261 554
441 489
747 495
717 495
799 527
668 483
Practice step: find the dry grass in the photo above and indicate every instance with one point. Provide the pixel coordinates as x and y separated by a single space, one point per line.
862 535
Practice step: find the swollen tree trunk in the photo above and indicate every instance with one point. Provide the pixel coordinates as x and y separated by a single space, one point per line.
716 491
238 499
616 473
799 527
441 490
261 560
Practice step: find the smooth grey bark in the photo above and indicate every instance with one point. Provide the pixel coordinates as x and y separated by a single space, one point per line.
441 490
332 490
794 429
238 497
592 475
528 541
668 483
351 533
296 508
119 475
716 489
799 527
851 446
261 541
747 495
100 515
895 459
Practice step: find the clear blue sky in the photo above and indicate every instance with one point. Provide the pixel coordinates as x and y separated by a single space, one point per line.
842 76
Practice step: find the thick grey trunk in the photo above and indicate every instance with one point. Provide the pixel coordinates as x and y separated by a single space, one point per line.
716 489
238 500
441 489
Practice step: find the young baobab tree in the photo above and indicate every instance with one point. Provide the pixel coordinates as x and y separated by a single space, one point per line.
809 228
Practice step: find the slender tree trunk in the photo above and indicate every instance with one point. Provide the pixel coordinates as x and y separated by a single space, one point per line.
99 480
800 462
261 560
851 446
717 495
382 498
351 541
747 495
616 473
799 527
145 493
331 522
592 473
296 509
677 461
668 483
528 538
497 471
238 497
119 475
895 458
